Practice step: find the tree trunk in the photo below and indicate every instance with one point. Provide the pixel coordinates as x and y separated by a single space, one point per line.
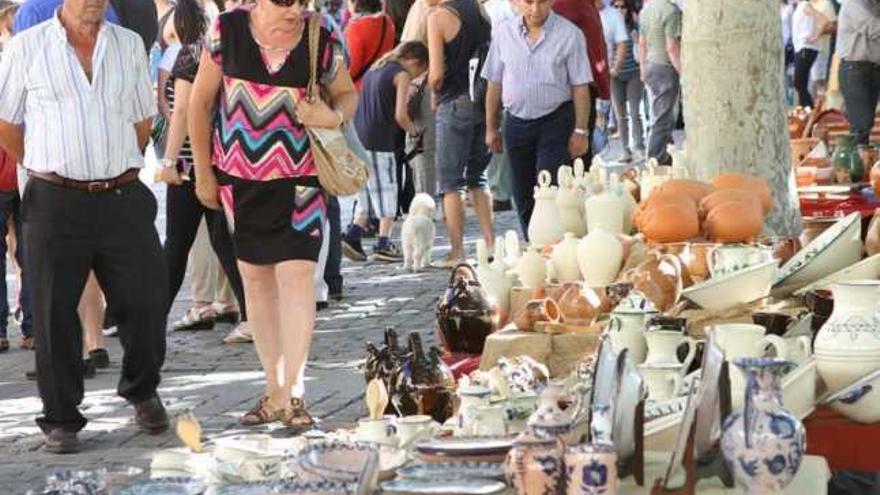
734 107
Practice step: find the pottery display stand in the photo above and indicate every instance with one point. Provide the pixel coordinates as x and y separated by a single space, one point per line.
711 464
690 469
635 465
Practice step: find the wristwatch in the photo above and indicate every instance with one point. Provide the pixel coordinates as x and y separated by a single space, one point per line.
169 162
581 132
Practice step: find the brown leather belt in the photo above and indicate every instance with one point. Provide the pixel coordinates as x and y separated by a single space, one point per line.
92 186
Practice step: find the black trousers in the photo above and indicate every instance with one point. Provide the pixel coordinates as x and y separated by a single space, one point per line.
333 269
183 214
803 62
860 85
68 233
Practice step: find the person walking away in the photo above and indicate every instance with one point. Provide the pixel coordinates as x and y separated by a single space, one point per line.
85 208
616 36
457 33
383 106
660 66
584 15
368 35
266 176
858 44
184 212
537 51
806 26
627 88
819 72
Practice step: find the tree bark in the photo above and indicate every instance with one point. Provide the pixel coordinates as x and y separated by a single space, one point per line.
734 106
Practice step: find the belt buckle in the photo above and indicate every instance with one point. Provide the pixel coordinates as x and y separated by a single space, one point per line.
98 186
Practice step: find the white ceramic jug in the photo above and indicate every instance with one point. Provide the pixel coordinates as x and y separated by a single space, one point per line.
531 269
600 256
605 210
512 249
493 276
663 348
662 380
545 226
565 259
570 203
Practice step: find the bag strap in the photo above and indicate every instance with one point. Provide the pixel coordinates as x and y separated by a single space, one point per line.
314 39
366 66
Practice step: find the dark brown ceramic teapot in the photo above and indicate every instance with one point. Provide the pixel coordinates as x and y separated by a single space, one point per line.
465 315
422 384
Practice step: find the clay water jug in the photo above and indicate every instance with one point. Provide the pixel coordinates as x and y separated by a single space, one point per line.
494 277
545 225
627 199
465 314
570 203
605 210
565 259
600 256
531 269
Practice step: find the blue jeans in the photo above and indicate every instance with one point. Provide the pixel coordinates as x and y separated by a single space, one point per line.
532 146
462 156
860 85
10 205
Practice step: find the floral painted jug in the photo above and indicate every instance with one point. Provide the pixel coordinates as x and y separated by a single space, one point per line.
545 225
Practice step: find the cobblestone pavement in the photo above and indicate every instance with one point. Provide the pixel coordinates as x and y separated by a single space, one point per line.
219 382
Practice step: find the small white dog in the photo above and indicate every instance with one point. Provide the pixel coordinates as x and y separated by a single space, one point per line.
417 232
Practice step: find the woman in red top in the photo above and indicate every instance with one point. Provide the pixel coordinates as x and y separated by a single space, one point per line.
369 34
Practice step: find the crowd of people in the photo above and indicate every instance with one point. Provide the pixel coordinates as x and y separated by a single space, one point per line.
461 100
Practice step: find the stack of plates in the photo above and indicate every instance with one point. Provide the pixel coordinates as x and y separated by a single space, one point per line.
459 478
474 449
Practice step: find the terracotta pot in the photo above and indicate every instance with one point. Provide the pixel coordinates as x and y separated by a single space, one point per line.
614 294
748 182
659 279
670 223
783 247
694 189
872 239
724 195
579 305
534 311
734 221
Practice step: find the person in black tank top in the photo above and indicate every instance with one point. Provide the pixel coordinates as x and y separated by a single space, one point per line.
458 36
383 107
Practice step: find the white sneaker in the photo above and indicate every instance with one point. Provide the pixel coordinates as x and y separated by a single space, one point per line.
638 156
625 157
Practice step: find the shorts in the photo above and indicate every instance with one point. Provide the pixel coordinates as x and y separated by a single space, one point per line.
461 153
381 189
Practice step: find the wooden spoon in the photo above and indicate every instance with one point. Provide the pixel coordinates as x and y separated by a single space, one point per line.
377 398
189 431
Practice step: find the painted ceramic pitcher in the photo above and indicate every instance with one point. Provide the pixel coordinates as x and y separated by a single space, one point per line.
764 443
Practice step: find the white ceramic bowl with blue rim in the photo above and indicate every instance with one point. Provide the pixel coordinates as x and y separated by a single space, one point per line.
733 289
867 269
836 248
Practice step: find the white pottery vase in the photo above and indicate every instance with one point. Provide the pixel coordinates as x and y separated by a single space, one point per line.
600 255
570 203
531 269
565 259
545 224
512 249
605 210
653 176
626 199
847 347
493 276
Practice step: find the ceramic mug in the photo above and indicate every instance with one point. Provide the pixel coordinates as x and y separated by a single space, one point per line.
627 331
664 381
489 420
725 259
743 340
663 347
376 430
413 428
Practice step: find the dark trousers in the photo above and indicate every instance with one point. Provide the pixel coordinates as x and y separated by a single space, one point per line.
69 233
532 146
664 84
860 85
803 62
184 212
10 206
591 128
333 270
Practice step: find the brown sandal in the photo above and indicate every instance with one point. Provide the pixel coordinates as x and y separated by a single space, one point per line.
261 413
296 416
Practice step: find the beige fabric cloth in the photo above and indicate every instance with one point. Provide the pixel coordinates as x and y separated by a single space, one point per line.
209 283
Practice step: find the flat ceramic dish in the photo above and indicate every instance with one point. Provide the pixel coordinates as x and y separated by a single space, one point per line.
867 269
165 486
340 461
733 289
443 486
838 247
287 487
454 470
465 446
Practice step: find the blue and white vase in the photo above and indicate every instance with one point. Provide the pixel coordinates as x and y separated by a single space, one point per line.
764 443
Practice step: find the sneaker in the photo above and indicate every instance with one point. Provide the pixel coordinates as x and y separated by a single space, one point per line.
196 319
100 358
625 157
353 250
111 332
388 253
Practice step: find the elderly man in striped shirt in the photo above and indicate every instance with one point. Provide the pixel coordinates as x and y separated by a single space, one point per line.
75 109
539 69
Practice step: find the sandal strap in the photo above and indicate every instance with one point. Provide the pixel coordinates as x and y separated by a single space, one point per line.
297 416
261 413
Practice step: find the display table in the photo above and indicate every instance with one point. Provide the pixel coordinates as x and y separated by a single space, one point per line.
560 352
812 479
864 202
847 445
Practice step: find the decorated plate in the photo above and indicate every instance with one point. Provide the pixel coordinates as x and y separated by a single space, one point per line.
465 446
868 268
443 486
453 470
794 273
349 461
297 487
165 486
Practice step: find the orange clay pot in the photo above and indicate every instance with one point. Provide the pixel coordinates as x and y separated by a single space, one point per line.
534 311
734 221
748 182
579 305
694 189
724 195
670 223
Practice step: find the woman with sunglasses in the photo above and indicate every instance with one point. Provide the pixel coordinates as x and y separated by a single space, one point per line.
627 89
257 60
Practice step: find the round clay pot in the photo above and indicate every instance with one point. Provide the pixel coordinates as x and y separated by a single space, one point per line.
694 189
724 195
734 221
534 311
659 279
669 223
748 182
579 305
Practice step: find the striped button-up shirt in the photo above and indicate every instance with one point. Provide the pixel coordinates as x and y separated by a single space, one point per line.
79 129
536 78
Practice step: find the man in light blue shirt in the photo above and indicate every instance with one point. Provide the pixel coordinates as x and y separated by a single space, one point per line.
539 68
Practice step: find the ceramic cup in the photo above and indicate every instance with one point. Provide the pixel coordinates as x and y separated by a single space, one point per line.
663 348
663 381
627 331
376 430
729 258
489 420
411 429
590 469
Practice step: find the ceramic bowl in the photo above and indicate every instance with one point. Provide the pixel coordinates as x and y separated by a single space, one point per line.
727 291
861 401
834 249
867 269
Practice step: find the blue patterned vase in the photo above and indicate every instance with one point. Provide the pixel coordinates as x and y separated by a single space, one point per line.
764 443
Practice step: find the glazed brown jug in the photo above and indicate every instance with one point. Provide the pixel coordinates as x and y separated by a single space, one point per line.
465 314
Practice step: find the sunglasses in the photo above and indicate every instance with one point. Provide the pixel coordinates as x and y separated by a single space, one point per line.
288 3
619 6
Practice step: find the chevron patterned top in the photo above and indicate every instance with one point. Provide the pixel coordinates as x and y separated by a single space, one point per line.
258 137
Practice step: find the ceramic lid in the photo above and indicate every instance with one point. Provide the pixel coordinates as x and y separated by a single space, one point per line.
474 391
